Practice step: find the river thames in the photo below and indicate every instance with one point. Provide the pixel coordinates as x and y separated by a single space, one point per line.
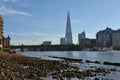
105 56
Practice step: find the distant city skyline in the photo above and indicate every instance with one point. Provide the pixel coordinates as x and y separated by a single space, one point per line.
32 22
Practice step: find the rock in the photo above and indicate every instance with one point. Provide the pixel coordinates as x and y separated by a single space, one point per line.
97 62
2 73
96 79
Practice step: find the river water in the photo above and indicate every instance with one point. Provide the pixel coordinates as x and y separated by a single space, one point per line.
109 56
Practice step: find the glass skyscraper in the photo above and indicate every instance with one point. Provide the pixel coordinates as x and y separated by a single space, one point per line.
68 35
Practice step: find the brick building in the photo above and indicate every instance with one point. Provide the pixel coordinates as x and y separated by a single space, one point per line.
4 41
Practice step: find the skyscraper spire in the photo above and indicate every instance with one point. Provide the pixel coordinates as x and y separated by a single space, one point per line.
68 30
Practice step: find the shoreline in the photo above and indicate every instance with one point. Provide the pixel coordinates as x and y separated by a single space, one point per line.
16 66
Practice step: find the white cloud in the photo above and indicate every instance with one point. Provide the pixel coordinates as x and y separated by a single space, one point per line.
22 41
34 42
75 38
19 34
28 34
6 11
90 35
39 34
9 0
54 38
39 38
35 34
22 3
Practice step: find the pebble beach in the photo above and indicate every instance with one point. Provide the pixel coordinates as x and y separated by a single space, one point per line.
14 66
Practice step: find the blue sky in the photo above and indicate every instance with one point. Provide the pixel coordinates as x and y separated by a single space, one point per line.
34 21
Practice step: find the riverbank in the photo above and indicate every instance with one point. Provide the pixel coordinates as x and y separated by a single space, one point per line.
18 67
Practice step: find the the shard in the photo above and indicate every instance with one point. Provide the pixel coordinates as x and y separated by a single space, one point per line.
68 36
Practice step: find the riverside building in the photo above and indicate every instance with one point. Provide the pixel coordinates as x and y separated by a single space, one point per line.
4 41
116 40
63 41
86 42
81 39
104 38
108 38
1 32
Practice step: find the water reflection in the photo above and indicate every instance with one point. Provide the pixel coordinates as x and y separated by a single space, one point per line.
86 55
69 54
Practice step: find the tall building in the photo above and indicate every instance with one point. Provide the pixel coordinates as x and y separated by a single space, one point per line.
68 35
4 42
1 32
63 41
116 39
86 42
81 39
104 37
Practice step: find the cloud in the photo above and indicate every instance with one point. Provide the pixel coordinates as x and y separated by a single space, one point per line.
22 41
27 38
19 34
35 34
22 3
28 34
39 38
39 34
44 34
9 0
6 11
36 41
90 35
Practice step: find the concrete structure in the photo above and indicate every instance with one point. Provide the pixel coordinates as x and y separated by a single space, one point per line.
104 37
68 31
85 42
4 42
116 40
46 43
108 38
7 42
90 42
1 32
63 41
81 39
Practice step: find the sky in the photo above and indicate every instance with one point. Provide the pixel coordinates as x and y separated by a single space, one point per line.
34 21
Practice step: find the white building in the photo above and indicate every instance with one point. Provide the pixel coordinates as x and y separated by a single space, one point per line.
63 41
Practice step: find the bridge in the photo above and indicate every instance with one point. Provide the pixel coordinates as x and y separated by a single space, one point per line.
48 47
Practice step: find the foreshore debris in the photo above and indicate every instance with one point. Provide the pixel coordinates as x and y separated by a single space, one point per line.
19 67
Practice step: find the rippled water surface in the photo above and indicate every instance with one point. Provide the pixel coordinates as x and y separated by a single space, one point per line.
111 56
